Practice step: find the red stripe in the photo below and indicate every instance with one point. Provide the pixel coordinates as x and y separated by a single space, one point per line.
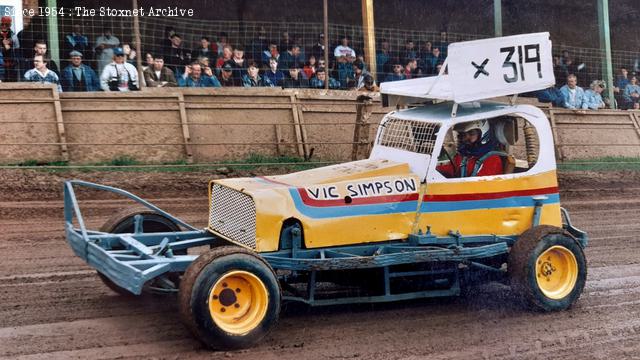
488 196
356 201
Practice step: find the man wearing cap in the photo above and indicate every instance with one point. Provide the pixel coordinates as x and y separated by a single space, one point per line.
158 75
119 75
78 76
226 77
104 48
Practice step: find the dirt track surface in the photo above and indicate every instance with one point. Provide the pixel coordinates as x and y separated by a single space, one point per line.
52 305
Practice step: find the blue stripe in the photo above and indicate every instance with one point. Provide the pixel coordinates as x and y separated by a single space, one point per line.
410 206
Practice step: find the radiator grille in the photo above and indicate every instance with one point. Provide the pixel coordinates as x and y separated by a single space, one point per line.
233 214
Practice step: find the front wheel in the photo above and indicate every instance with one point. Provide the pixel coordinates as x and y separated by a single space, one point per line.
229 298
547 268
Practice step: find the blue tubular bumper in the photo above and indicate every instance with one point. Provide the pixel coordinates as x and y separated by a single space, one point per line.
137 257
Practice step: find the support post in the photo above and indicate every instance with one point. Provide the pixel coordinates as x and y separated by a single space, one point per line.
184 122
62 136
136 33
497 17
368 30
361 130
52 29
326 42
605 47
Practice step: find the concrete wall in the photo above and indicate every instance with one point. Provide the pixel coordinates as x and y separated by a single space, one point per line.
208 125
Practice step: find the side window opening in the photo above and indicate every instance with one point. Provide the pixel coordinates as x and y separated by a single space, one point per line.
495 146
409 135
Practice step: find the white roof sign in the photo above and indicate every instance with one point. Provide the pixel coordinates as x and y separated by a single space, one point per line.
487 68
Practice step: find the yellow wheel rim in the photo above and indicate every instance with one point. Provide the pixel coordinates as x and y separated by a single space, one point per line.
556 272
238 302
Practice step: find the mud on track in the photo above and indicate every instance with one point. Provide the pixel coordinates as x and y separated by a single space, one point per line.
54 306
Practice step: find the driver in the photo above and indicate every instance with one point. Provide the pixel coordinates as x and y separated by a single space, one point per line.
476 154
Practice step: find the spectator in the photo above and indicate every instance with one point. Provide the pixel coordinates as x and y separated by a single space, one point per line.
238 62
223 40
40 73
443 43
310 67
383 55
317 50
274 75
130 54
1 67
227 54
270 52
10 44
289 57
168 31
397 73
258 45
592 97
631 93
252 77
148 61
205 49
345 56
295 79
621 80
572 94
175 56
193 77
298 39
78 76
409 68
76 41
285 41
432 61
203 61
318 82
409 50
40 48
158 75
425 52
369 85
226 77
104 48
360 75
119 75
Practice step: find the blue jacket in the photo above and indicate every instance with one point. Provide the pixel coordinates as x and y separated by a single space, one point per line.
260 81
394 77
566 98
630 89
205 81
316 83
91 81
592 100
275 78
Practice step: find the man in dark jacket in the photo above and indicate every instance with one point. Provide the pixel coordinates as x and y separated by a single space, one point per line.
295 78
78 76
158 75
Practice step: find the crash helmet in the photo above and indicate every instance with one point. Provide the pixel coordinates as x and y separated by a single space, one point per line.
482 125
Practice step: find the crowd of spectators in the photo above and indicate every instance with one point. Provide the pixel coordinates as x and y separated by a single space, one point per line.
108 64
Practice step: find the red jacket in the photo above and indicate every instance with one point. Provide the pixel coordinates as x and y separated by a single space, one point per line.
491 166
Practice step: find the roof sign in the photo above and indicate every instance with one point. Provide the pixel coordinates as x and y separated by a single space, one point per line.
483 69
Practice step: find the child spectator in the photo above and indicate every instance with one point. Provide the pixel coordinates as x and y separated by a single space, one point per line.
40 73
631 93
572 94
310 67
227 54
274 75
253 79
318 82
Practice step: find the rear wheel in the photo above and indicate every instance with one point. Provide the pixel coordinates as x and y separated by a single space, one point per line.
229 298
547 268
124 222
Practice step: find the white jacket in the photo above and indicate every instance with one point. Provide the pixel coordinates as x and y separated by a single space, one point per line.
122 72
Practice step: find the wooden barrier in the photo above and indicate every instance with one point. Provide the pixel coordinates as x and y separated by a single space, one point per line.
207 125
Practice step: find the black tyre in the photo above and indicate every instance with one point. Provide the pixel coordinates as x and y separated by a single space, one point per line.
547 268
124 222
229 298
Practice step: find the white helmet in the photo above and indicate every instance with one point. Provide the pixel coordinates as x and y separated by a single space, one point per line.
482 125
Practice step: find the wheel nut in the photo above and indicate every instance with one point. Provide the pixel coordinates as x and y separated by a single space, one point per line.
238 290
224 284
237 305
223 309
215 297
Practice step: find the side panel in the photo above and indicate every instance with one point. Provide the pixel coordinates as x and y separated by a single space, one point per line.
490 205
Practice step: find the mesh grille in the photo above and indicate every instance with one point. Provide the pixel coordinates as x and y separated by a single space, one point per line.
233 214
409 135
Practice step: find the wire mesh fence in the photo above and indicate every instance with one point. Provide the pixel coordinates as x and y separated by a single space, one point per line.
96 37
